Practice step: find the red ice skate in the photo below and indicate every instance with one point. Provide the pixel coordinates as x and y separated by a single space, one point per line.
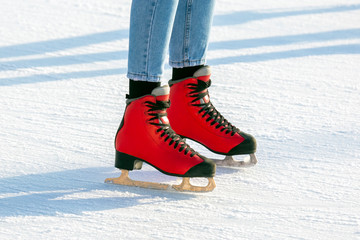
145 135
193 116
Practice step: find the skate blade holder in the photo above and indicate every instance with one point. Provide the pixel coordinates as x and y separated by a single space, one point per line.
229 161
184 186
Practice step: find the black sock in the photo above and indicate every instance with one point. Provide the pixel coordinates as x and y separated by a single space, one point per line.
186 72
141 88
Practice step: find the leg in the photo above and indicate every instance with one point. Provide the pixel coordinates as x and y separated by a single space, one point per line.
151 23
145 134
189 88
190 35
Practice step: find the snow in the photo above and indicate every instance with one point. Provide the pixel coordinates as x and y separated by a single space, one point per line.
285 71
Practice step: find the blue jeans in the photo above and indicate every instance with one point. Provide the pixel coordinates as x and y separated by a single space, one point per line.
182 26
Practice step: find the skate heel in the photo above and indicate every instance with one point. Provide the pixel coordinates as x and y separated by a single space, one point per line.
126 161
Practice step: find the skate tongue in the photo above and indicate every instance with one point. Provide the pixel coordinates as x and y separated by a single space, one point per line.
203 73
161 93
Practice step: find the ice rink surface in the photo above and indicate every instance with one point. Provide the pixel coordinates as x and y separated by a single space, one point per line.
285 71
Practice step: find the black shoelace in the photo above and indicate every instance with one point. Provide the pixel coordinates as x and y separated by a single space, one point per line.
198 93
155 109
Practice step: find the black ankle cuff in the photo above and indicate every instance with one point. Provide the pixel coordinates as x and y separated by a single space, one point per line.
141 88
186 72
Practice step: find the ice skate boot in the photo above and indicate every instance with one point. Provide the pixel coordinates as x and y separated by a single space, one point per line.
193 116
145 135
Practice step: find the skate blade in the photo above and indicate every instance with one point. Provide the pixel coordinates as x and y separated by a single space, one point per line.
230 162
185 185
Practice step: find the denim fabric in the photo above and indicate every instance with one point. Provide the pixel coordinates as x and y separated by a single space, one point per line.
154 22
190 34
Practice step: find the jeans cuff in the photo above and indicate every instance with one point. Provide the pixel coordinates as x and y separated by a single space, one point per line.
143 77
187 63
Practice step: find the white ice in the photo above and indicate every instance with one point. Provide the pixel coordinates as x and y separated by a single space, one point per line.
287 72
